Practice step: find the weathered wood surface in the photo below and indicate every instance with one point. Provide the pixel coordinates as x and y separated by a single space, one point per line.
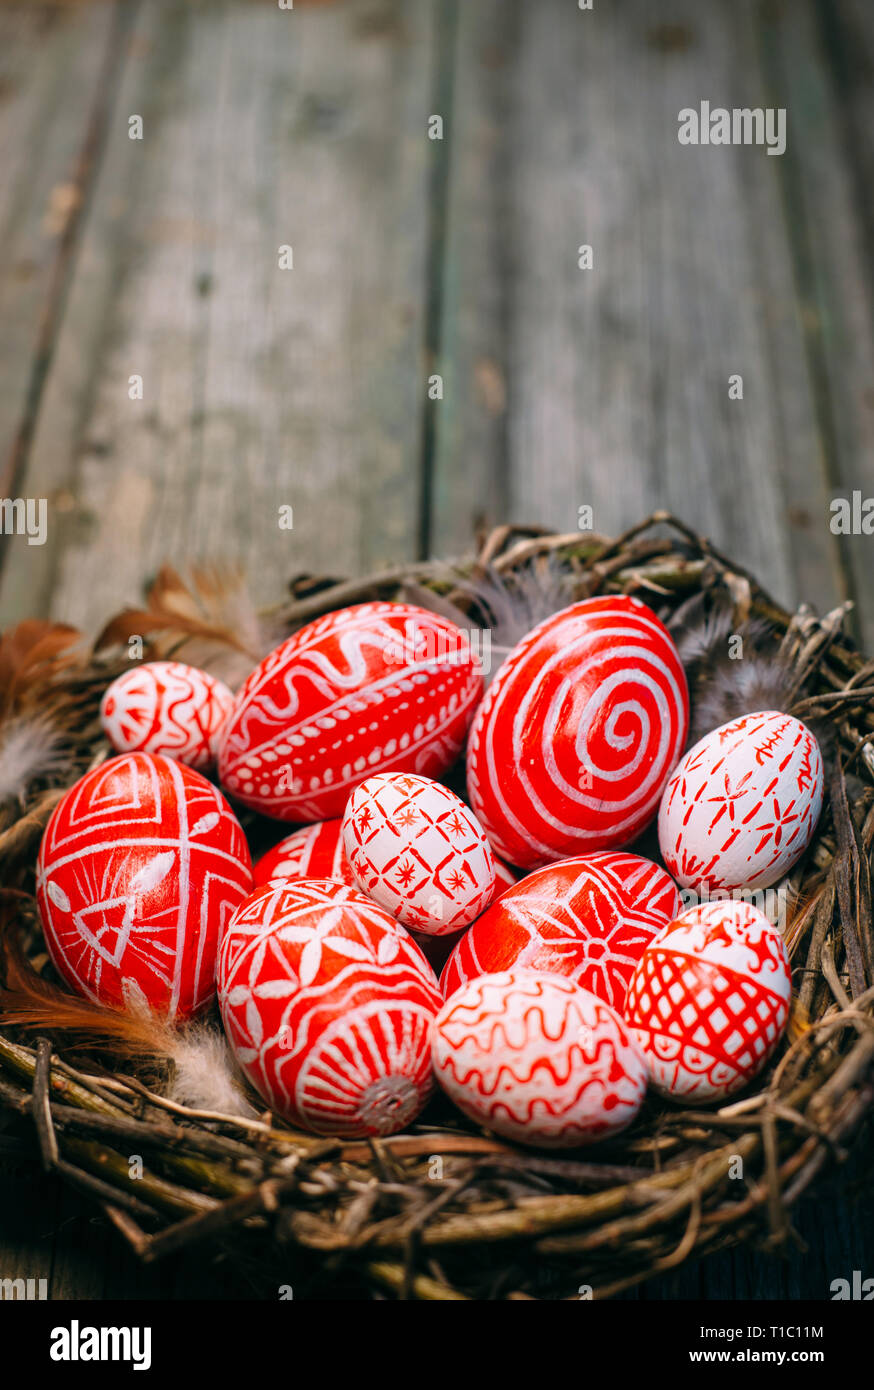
308 387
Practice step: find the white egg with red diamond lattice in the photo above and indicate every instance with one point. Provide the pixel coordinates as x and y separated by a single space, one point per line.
417 850
709 1000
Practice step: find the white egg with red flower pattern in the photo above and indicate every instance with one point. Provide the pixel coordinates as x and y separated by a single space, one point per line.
328 1005
374 688
416 849
169 708
538 1060
741 806
709 1000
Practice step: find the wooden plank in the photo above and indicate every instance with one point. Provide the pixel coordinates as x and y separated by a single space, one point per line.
832 255
51 65
263 387
617 378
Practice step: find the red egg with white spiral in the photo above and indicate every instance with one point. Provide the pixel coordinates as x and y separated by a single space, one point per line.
580 729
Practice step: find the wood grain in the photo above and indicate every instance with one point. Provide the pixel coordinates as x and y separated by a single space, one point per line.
262 387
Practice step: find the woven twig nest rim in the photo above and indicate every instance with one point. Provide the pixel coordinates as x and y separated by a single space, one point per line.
447 1212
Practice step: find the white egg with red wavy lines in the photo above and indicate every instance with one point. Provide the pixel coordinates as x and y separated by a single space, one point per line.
742 805
538 1060
377 687
578 733
328 1005
166 707
416 849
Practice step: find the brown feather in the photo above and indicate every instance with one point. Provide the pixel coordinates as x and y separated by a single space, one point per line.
30 1002
194 609
32 653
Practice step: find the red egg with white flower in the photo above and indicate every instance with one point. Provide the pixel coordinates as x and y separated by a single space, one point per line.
141 866
416 849
589 918
374 688
166 707
709 1000
328 1005
538 1060
742 805
578 733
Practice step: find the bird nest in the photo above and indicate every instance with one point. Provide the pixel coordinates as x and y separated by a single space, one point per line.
446 1211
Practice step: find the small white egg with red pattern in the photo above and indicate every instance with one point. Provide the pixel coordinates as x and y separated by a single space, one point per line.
417 850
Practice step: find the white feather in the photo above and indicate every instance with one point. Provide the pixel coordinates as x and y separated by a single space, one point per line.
205 1075
29 749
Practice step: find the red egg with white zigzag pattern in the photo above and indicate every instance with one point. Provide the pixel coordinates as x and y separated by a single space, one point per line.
709 1000
328 1005
589 918
578 733
140 868
373 688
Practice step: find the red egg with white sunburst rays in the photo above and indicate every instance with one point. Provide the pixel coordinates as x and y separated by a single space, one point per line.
588 918
376 687
328 1005
140 868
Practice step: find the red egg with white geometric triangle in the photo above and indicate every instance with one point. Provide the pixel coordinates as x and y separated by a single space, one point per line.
141 866
709 1000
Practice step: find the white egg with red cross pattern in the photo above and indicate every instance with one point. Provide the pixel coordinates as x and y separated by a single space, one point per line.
417 850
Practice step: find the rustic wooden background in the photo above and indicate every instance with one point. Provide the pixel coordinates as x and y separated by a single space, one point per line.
308 387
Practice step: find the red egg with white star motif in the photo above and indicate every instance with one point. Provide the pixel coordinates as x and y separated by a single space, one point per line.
374 688
328 1006
416 849
742 805
578 733
140 868
166 707
538 1060
589 918
709 1000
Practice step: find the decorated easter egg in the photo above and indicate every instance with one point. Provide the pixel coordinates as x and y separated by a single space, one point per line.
416 849
375 688
587 918
328 1006
315 851
741 807
166 707
709 1000
538 1059
578 733
141 866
